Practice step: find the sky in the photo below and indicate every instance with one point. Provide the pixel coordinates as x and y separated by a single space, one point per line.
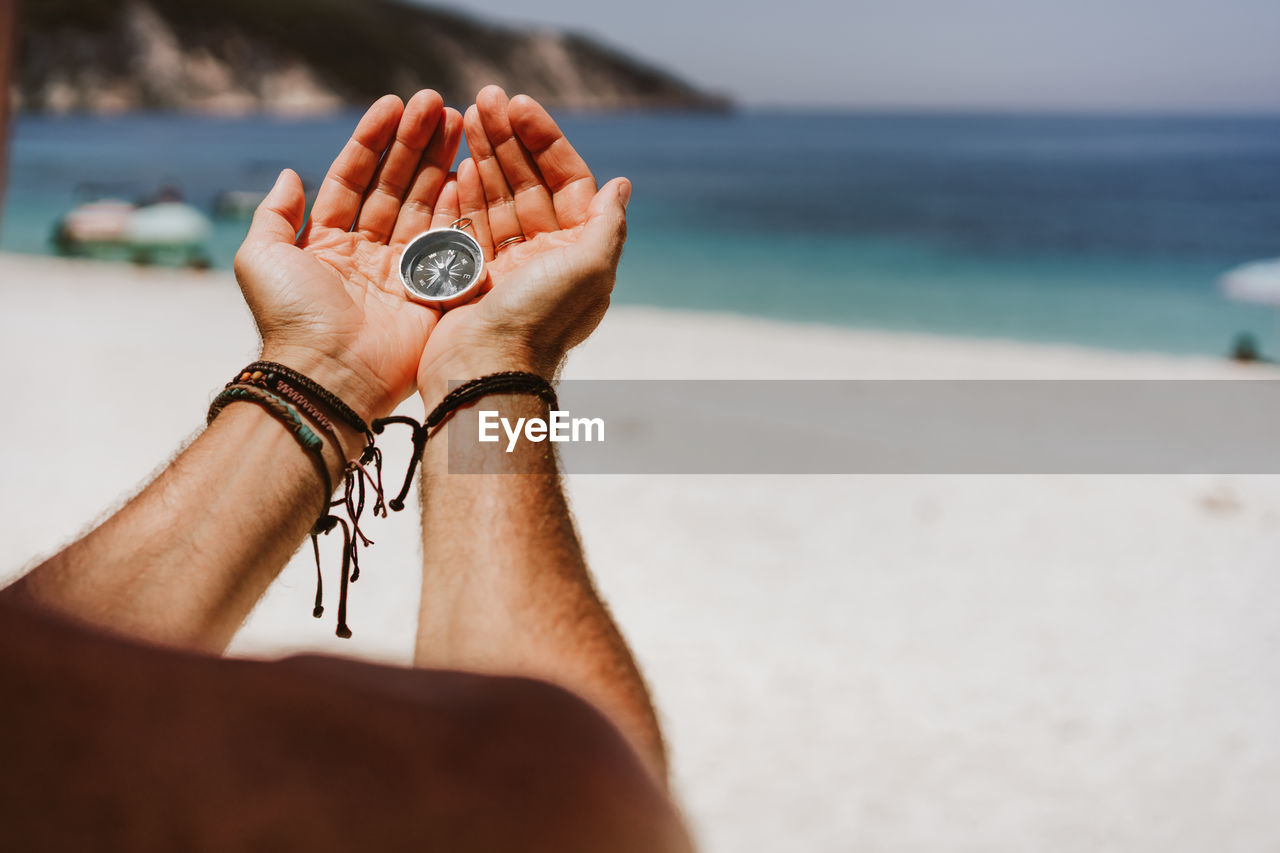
1093 55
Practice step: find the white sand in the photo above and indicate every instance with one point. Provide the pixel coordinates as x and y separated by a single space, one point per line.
842 663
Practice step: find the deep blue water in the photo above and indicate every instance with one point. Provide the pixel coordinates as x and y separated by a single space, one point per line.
1107 231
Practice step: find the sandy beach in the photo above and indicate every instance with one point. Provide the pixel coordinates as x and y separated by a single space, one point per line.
890 663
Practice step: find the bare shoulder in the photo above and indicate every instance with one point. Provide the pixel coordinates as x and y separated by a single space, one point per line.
115 745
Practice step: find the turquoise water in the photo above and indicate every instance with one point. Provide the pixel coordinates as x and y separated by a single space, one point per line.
1101 231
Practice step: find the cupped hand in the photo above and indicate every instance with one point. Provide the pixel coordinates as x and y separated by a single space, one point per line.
549 289
330 303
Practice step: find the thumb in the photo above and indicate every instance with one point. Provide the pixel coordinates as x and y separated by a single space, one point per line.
606 225
279 217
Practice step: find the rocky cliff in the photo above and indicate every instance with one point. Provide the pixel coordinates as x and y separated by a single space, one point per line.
307 56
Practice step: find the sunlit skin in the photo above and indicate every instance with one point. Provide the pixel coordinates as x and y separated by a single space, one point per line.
334 297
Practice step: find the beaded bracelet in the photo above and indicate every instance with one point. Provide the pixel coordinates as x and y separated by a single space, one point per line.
504 382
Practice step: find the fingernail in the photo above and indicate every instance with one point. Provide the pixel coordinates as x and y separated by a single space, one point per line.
624 193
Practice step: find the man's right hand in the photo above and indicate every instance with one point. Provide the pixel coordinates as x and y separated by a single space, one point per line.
548 290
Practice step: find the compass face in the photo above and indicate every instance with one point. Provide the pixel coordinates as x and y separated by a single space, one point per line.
443 273
442 267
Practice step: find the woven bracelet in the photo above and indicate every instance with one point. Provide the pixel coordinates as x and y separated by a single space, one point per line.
272 371
286 414
281 388
505 382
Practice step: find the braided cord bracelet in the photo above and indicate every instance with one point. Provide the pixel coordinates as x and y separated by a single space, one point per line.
286 414
287 392
344 412
504 382
273 380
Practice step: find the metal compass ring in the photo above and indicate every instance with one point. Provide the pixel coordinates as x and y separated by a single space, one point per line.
443 267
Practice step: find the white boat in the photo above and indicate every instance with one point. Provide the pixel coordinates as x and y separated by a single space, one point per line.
1256 281
108 227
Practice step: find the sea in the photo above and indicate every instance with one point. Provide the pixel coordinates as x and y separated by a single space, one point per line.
1107 231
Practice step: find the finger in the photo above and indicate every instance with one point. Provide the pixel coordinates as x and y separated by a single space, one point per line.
471 205
446 212
348 179
605 228
534 208
433 170
381 206
281 213
503 221
563 170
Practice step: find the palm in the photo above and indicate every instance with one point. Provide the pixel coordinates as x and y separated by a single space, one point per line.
370 299
517 277
524 267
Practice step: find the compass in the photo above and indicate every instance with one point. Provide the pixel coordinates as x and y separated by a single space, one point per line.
443 267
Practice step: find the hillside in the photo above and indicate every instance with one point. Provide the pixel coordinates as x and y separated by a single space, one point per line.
306 56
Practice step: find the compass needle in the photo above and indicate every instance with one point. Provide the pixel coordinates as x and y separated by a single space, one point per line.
443 267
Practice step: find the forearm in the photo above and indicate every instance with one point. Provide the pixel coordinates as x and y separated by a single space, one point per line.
185 561
505 586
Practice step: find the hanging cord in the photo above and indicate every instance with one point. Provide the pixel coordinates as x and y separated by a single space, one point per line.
324 527
355 473
419 443
505 382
